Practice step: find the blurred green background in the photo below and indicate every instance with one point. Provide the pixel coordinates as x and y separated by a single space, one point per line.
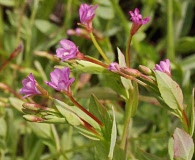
41 24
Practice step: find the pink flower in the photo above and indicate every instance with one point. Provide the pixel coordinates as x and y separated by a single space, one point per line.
113 66
137 20
68 51
164 66
87 13
29 86
60 80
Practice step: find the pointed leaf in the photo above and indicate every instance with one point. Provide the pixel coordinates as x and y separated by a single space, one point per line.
82 66
77 111
113 136
183 145
191 116
119 153
169 90
98 110
171 148
68 113
126 82
146 156
16 103
87 133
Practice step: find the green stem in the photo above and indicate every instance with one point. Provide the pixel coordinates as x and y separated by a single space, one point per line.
170 37
128 54
67 17
28 56
99 48
128 113
130 110
120 15
56 137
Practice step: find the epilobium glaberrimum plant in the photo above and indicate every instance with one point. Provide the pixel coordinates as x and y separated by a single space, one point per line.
98 122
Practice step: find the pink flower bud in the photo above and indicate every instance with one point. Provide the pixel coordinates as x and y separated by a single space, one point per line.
113 67
29 86
164 66
137 20
87 13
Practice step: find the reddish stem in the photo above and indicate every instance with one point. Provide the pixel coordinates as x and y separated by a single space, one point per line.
95 61
84 110
89 127
185 118
6 87
13 55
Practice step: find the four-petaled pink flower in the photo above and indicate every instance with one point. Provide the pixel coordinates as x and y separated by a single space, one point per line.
113 66
68 51
164 66
60 80
137 20
29 86
87 13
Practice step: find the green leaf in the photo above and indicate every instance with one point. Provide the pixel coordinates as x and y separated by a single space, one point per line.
146 156
183 25
126 82
192 117
133 101
114 82
88 67
183 145
119 154
105 12
3 128
87 133
98 110
113 136
171 148
73 116
3 133
185 45
16 103
45 26
101 150
188 63
8 3
68 113
44 132
169 90
63 107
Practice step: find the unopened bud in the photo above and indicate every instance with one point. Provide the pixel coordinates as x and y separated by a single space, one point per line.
130 71
81 31
33 118
145 70
28 111
33 106
70 32
54 119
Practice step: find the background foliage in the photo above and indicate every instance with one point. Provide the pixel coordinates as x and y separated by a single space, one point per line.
41 24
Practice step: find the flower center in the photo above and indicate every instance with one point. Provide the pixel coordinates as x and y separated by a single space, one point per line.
65 53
